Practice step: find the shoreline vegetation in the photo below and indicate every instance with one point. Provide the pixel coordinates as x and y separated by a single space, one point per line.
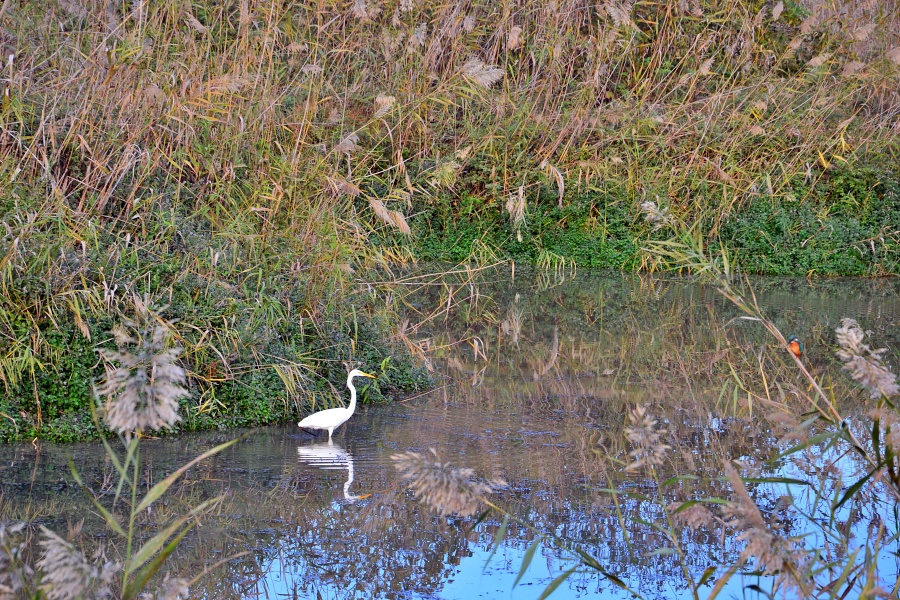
238 166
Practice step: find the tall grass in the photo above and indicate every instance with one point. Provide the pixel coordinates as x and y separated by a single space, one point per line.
234 158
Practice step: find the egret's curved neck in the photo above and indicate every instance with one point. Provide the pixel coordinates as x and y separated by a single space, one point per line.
350 385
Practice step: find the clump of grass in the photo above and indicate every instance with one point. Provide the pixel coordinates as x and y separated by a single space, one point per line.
141 394
240 160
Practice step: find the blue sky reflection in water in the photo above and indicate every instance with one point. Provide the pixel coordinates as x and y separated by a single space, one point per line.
532 403
540 373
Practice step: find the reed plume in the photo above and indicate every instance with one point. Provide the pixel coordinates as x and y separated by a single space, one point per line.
658 216
391 217
173 588
446 489
695 516
646 439
774 554
67 573
143 391
15 576
482 74
864 364
515 206
348 144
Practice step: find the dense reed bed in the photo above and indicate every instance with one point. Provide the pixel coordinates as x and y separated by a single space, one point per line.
237 161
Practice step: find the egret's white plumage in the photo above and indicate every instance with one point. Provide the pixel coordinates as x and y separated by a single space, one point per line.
333 418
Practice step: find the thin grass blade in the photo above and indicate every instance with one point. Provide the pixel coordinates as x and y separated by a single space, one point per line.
153 545
136 585
107 516
851 491
556 583
160 488
526 561
501 533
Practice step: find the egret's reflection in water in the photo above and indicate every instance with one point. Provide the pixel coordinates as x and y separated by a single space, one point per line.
329 456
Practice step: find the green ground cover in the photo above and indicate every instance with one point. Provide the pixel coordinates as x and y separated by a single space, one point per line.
846 225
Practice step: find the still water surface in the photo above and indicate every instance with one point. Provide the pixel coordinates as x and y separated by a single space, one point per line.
537 375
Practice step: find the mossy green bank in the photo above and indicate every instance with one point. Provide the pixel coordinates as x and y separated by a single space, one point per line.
55 401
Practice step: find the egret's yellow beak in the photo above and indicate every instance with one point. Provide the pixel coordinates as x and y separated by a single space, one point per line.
368 375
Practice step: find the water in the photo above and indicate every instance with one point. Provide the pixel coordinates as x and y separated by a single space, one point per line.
537 375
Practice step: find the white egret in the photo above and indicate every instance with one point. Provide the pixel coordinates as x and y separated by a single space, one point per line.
333 418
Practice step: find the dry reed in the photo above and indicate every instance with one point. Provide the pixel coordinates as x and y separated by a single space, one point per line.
774 553
446 489
648 449
15 577
864 364
144 389
68 574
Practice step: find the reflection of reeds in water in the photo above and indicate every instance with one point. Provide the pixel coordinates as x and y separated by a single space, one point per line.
664 334
774 554
646 439
446 489
511 326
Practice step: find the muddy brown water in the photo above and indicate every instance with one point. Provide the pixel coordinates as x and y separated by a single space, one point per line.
537 374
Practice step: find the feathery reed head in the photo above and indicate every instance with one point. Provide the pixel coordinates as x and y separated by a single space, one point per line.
67 573
863 363
646 438
482 74
658 216
515 206
446 489
143 391
763 543
173 588
14 575
695 516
